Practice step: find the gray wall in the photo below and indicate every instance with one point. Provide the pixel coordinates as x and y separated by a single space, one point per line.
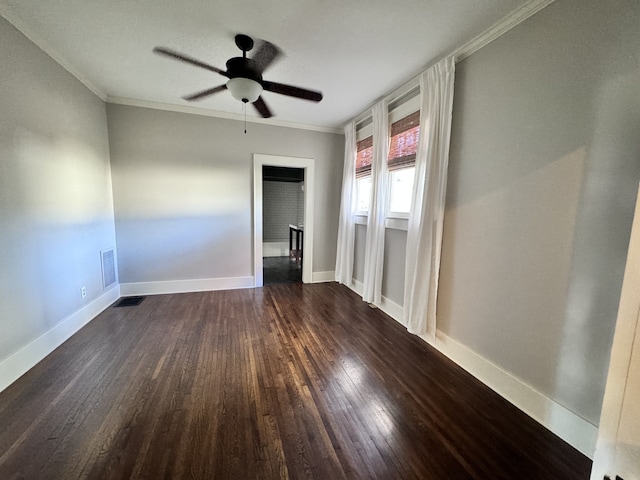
395 249
360 242
183 191
282 205
544 168
56 212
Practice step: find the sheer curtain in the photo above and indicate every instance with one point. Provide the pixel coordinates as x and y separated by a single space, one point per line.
374 252
346 226
424 235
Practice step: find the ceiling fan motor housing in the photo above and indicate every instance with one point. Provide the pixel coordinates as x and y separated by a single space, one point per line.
245 68
245 81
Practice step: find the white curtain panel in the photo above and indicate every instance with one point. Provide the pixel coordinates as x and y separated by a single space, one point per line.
424 235
346 225
374 252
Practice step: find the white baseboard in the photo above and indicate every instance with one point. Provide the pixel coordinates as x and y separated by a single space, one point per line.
392 309
322 277
388 306
573 429
357 286
185 286
275 249
16 365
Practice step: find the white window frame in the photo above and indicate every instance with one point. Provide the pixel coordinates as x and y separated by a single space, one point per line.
390 213
400 220
362 216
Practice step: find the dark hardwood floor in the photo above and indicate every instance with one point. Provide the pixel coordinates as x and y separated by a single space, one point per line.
287 381
278 270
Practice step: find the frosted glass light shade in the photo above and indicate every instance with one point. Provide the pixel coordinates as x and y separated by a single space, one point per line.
244 89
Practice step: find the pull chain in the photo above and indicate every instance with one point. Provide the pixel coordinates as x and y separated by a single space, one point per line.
244 107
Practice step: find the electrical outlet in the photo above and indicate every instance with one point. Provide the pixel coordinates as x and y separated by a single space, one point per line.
83 291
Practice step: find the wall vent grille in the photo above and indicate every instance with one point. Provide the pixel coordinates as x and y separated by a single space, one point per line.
108 268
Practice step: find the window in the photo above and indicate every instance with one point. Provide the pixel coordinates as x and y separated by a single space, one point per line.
405 134
363 193
401 189
363 174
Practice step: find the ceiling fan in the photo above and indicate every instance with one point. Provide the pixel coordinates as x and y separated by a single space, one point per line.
245 75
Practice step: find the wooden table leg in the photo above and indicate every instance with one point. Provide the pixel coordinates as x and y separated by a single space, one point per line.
291 241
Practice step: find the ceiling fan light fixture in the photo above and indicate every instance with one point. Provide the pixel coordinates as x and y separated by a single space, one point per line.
244 89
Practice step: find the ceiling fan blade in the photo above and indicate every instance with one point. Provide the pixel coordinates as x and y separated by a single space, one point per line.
185 58
266 55
292 91
262 108
205 93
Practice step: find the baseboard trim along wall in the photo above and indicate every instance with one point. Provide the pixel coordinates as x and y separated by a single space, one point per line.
322 277
16 365
392 309
275 249
202 285
573 429
185 286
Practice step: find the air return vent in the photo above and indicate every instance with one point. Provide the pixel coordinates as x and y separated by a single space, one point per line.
129 302
108 268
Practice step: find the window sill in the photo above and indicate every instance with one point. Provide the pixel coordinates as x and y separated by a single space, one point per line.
397 223
393 223
400 215
361 219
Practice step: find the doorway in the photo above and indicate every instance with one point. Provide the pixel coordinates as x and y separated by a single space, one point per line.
301 238
282 224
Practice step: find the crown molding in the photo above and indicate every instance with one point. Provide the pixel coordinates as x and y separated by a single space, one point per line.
46 47
169 107
511 20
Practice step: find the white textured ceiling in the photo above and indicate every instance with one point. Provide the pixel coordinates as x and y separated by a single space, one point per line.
354 51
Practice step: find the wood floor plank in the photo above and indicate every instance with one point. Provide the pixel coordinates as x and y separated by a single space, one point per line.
288 381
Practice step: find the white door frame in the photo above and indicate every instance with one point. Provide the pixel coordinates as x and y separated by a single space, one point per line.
616 448
308 164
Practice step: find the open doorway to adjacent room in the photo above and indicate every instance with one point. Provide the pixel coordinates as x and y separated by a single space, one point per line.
283 219
282 224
